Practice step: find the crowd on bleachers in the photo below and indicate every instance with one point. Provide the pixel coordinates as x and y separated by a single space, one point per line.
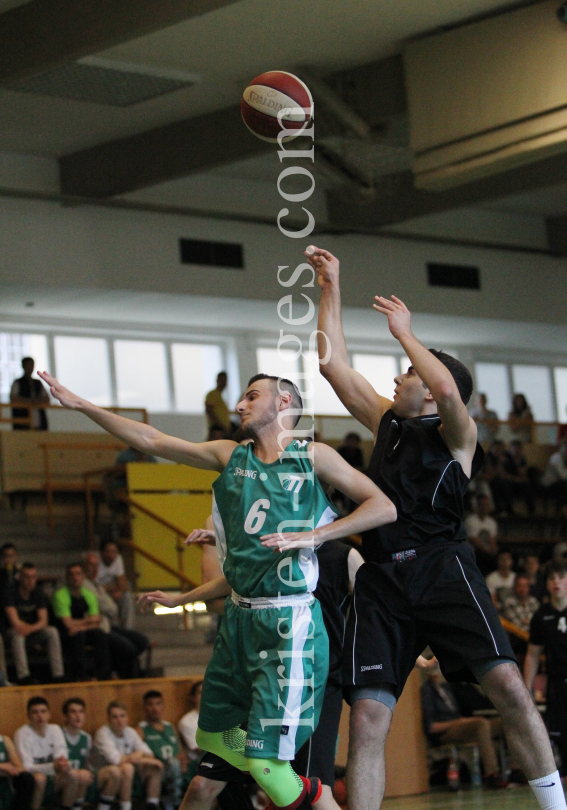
84 626
64 766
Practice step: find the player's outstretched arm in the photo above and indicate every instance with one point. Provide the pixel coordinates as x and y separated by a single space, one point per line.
354 390
215 589
374 509
205 455
459 430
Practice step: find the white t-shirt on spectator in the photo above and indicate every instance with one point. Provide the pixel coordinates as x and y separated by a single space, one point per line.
112 747
108 573
188 730
474 525
37 752
556 470
495 581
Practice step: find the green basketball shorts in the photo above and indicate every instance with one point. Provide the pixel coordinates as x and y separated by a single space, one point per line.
268 669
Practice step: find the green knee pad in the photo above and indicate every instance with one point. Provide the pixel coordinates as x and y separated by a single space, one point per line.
229 745
277 778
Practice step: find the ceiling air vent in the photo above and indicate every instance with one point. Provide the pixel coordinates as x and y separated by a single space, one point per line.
458 276
101 81
213 254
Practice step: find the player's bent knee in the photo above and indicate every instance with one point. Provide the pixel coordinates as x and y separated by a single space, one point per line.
127 770
40 779
202 789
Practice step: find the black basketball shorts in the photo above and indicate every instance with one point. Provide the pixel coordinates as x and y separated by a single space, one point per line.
214 767
316 757
556 711
437 598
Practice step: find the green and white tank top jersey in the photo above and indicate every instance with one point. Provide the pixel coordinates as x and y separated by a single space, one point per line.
78 747
251 499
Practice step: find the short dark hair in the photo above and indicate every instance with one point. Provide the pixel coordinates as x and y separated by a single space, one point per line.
73 565
352 435
37 700
282 383
152 693
108 542
116 704
70 702
558 566
459 372
28 360
28 566
6 546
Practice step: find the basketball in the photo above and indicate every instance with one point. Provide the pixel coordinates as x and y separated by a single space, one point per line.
267 95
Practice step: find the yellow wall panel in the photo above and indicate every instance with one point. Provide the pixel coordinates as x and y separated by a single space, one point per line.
162 477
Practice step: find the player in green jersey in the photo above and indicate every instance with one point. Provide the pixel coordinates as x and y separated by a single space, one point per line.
270 659
106 780
162 738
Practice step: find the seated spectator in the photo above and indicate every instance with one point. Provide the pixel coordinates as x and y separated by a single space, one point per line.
519 609
520 419
486 420
554 479
215 433
444 724
9 572
77 610
28 390
482 534
79 754
125 645
112 577
216 408
16 784
532 569
42 749
161 737
118 744
501 581
548 635
513 479
26 609
351 450
187 726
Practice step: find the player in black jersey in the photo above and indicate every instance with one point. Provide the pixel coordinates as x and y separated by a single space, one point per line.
420 584
548 635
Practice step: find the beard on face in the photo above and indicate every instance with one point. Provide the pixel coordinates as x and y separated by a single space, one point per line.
254 426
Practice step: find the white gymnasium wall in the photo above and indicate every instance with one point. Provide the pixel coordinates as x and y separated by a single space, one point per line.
45 244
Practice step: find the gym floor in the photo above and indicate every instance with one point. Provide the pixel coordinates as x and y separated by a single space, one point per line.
519 798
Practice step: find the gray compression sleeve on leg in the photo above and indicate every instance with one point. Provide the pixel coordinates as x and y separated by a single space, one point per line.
382 692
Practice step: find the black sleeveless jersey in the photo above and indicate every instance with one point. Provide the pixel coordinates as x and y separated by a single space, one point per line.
333 594
412 465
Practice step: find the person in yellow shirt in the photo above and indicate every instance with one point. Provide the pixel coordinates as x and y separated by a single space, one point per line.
216 408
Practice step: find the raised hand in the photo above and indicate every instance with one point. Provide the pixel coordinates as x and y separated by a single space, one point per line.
284 541
399 316
325 265
156 598
65 397
201 537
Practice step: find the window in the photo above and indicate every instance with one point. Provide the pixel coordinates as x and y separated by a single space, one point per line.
278 362
141 374
195 369
405 363
535 383
81 364
14 346
379 370
324 401
560 375
492 380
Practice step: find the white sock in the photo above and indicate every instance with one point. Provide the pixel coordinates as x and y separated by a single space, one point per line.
549 792
125 805
104 802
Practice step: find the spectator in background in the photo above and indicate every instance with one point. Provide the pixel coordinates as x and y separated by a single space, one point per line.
43 751
486 420
554 479
521 478
501 581
125 645
482 534
117 743
27 390
9 572
26 608
532 570
548 634
16 784
187 726
351 451
160 735
444 724
216 408
112 577
520 419
519 609
77 610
